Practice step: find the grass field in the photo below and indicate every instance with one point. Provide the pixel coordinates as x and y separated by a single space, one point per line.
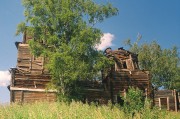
78 110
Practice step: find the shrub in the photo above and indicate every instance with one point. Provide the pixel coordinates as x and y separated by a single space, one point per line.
133 101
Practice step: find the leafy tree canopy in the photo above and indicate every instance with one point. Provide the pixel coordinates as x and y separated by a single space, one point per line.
64 32
164 64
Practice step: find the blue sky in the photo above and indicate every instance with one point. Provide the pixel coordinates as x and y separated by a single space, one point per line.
154 19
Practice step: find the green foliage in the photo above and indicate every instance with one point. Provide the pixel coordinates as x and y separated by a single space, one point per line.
133 101
164 64
63 32
138 107
77 110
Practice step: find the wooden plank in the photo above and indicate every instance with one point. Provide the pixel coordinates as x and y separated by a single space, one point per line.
29 89
160 103
25 45
175 101
168 107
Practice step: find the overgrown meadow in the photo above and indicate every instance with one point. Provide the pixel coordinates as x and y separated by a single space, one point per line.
78 110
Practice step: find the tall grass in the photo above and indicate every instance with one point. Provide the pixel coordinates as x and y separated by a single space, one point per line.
78 110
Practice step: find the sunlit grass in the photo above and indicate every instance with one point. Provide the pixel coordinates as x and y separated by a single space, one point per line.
77 110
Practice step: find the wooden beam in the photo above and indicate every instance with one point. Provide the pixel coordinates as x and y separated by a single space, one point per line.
160 103
30 89
24 44
168 107
175 101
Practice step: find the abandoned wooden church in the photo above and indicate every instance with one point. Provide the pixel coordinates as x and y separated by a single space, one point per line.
30 77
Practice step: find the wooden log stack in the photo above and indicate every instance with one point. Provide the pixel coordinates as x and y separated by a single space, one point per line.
29 79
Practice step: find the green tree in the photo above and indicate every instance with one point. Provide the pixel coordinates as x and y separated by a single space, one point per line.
63 31
164 64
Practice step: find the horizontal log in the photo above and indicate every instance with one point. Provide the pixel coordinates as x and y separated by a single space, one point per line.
20 75
23 65
23 45
31 75
32 79
26 82
130 75
128 72
29 89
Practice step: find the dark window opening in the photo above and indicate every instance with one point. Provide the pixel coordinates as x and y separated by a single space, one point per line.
124 65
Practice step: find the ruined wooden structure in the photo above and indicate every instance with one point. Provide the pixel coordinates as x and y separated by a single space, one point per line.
117 79
166 99
29 78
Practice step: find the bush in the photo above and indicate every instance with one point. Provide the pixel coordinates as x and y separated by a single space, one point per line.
133 101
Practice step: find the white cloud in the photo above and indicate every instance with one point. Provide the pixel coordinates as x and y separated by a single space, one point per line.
4 78
106 41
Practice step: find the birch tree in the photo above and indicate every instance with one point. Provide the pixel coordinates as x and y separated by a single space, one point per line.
64 32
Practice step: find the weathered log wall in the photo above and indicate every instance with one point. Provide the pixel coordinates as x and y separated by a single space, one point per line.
28 96
123 80
166 99
124 74
29 79
27 63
